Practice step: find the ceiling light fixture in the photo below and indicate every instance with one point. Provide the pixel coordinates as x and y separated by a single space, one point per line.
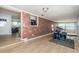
45 10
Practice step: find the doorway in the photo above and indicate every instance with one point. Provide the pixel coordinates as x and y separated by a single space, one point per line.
10 27
16 27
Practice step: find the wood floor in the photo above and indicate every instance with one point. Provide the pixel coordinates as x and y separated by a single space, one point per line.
8 39
41 45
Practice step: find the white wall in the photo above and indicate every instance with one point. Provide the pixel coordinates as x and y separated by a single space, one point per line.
6 30
78 26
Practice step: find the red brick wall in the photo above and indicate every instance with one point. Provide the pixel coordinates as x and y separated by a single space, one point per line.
44 27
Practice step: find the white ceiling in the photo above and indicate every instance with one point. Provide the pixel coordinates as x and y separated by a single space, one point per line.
14 15
55 12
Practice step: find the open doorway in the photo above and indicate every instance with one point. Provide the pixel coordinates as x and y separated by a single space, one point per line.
10 27
16 27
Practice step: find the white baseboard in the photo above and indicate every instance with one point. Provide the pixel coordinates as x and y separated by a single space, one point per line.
10 46
25 39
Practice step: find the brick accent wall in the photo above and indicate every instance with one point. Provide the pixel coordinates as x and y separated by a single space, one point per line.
44 26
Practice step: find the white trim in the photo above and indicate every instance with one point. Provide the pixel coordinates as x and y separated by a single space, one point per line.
25 39
21 25
37 22
6 46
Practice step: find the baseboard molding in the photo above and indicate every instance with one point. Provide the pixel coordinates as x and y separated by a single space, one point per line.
10 46
6 34
3 48
25 39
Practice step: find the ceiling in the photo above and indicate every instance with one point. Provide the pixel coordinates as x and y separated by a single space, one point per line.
55 12
15 15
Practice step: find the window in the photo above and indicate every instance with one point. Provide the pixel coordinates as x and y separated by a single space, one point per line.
16 24
69 27
33 20
62 25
